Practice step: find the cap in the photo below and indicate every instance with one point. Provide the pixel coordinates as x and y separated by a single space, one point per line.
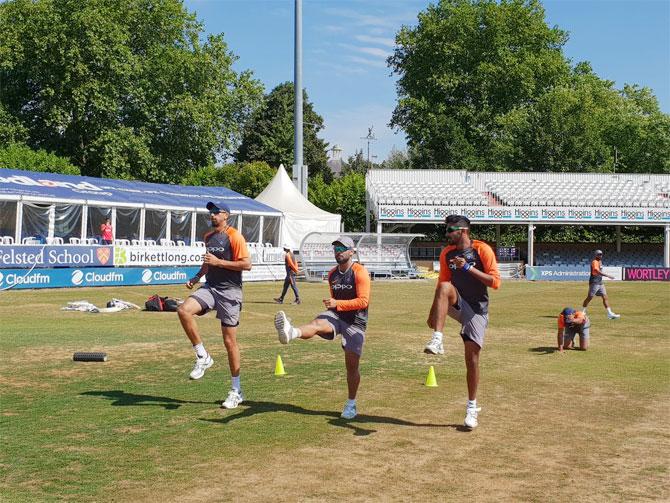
217 207
597 252
346 241
568 311
286 246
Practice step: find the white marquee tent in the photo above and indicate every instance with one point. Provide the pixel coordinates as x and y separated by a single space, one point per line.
300 216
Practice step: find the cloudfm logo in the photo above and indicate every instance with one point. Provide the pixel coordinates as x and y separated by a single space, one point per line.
2 277
146 276
77 277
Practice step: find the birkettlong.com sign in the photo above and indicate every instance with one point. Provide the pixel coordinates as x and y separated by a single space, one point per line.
511 214
23 256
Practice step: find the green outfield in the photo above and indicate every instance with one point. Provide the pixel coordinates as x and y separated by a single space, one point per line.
585 426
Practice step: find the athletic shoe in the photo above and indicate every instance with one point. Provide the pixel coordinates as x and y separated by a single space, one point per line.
349 412
278 300
434 347
283 327
201 364
471 417
297 301
613 316
233 399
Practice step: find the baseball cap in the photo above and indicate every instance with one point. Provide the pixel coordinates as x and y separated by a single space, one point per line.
568 311
598 252
285 246
217 207
344 240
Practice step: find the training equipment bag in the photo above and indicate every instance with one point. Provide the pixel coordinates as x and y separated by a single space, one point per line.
158 303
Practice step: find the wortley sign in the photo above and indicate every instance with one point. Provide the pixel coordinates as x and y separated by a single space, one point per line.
646 274
55 256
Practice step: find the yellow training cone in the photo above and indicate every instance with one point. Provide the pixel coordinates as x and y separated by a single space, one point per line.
279 367
431 382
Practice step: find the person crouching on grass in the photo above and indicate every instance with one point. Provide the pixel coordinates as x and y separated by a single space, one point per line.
571 323
346 314
467 268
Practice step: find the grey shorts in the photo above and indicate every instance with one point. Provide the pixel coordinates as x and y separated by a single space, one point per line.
353 336
473 325
570 333
228 303
597 289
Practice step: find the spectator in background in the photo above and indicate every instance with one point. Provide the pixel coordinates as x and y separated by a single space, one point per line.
596 287
290 280
106 234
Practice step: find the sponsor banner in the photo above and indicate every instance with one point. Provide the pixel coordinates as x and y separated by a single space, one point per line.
17 256
567 273
526 214
646 274
129 256
119 276
93 276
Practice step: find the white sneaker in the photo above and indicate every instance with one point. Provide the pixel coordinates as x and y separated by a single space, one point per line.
201 364
283 327
471 417
349 412
233 399
434 347
613 316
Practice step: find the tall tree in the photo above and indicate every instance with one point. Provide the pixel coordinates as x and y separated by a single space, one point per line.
465 64
268 136
124 89
247 178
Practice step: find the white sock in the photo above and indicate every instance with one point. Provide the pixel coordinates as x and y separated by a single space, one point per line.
200 350
351 402
584 310
236 383
438 335
472 404
609 310
295 333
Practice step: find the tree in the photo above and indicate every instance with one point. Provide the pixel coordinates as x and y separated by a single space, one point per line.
18 156
464 65
345 195
124 89
249 178
268 136
397 159
577 127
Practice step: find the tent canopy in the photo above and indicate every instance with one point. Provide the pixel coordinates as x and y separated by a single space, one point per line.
300 216
29 185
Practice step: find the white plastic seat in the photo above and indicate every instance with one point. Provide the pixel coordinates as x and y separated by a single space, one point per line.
75 241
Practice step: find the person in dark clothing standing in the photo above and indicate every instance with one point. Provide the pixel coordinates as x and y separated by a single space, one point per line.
290 280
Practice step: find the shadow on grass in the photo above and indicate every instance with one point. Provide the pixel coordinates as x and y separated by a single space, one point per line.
121 398
544 350
258 407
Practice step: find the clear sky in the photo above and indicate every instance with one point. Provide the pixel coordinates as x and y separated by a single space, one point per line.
346 43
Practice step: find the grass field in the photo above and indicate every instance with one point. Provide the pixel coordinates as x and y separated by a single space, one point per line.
579 426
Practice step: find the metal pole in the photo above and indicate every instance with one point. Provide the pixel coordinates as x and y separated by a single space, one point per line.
531 252
298 171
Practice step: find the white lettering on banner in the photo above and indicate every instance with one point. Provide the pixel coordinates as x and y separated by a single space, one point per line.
15 256
60 257
26 180
169 276
22 279
108 277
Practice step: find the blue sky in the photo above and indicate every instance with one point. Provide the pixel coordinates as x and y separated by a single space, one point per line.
346 42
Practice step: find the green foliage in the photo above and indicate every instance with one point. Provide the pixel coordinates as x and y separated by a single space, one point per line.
11 130
17 156
247 178
124 89
466 63
344 195
484 85
397 159
268 136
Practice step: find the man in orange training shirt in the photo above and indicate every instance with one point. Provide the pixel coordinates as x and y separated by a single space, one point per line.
290 280
596 287
571 323
467 268
346 314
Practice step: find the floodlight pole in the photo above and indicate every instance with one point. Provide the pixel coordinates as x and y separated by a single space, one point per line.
299 172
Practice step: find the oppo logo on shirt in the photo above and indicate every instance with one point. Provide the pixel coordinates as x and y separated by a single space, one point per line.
339 286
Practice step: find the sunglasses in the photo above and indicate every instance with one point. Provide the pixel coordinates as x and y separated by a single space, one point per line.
340 249
452 229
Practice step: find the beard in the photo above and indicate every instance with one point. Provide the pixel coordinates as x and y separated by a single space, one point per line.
341 259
